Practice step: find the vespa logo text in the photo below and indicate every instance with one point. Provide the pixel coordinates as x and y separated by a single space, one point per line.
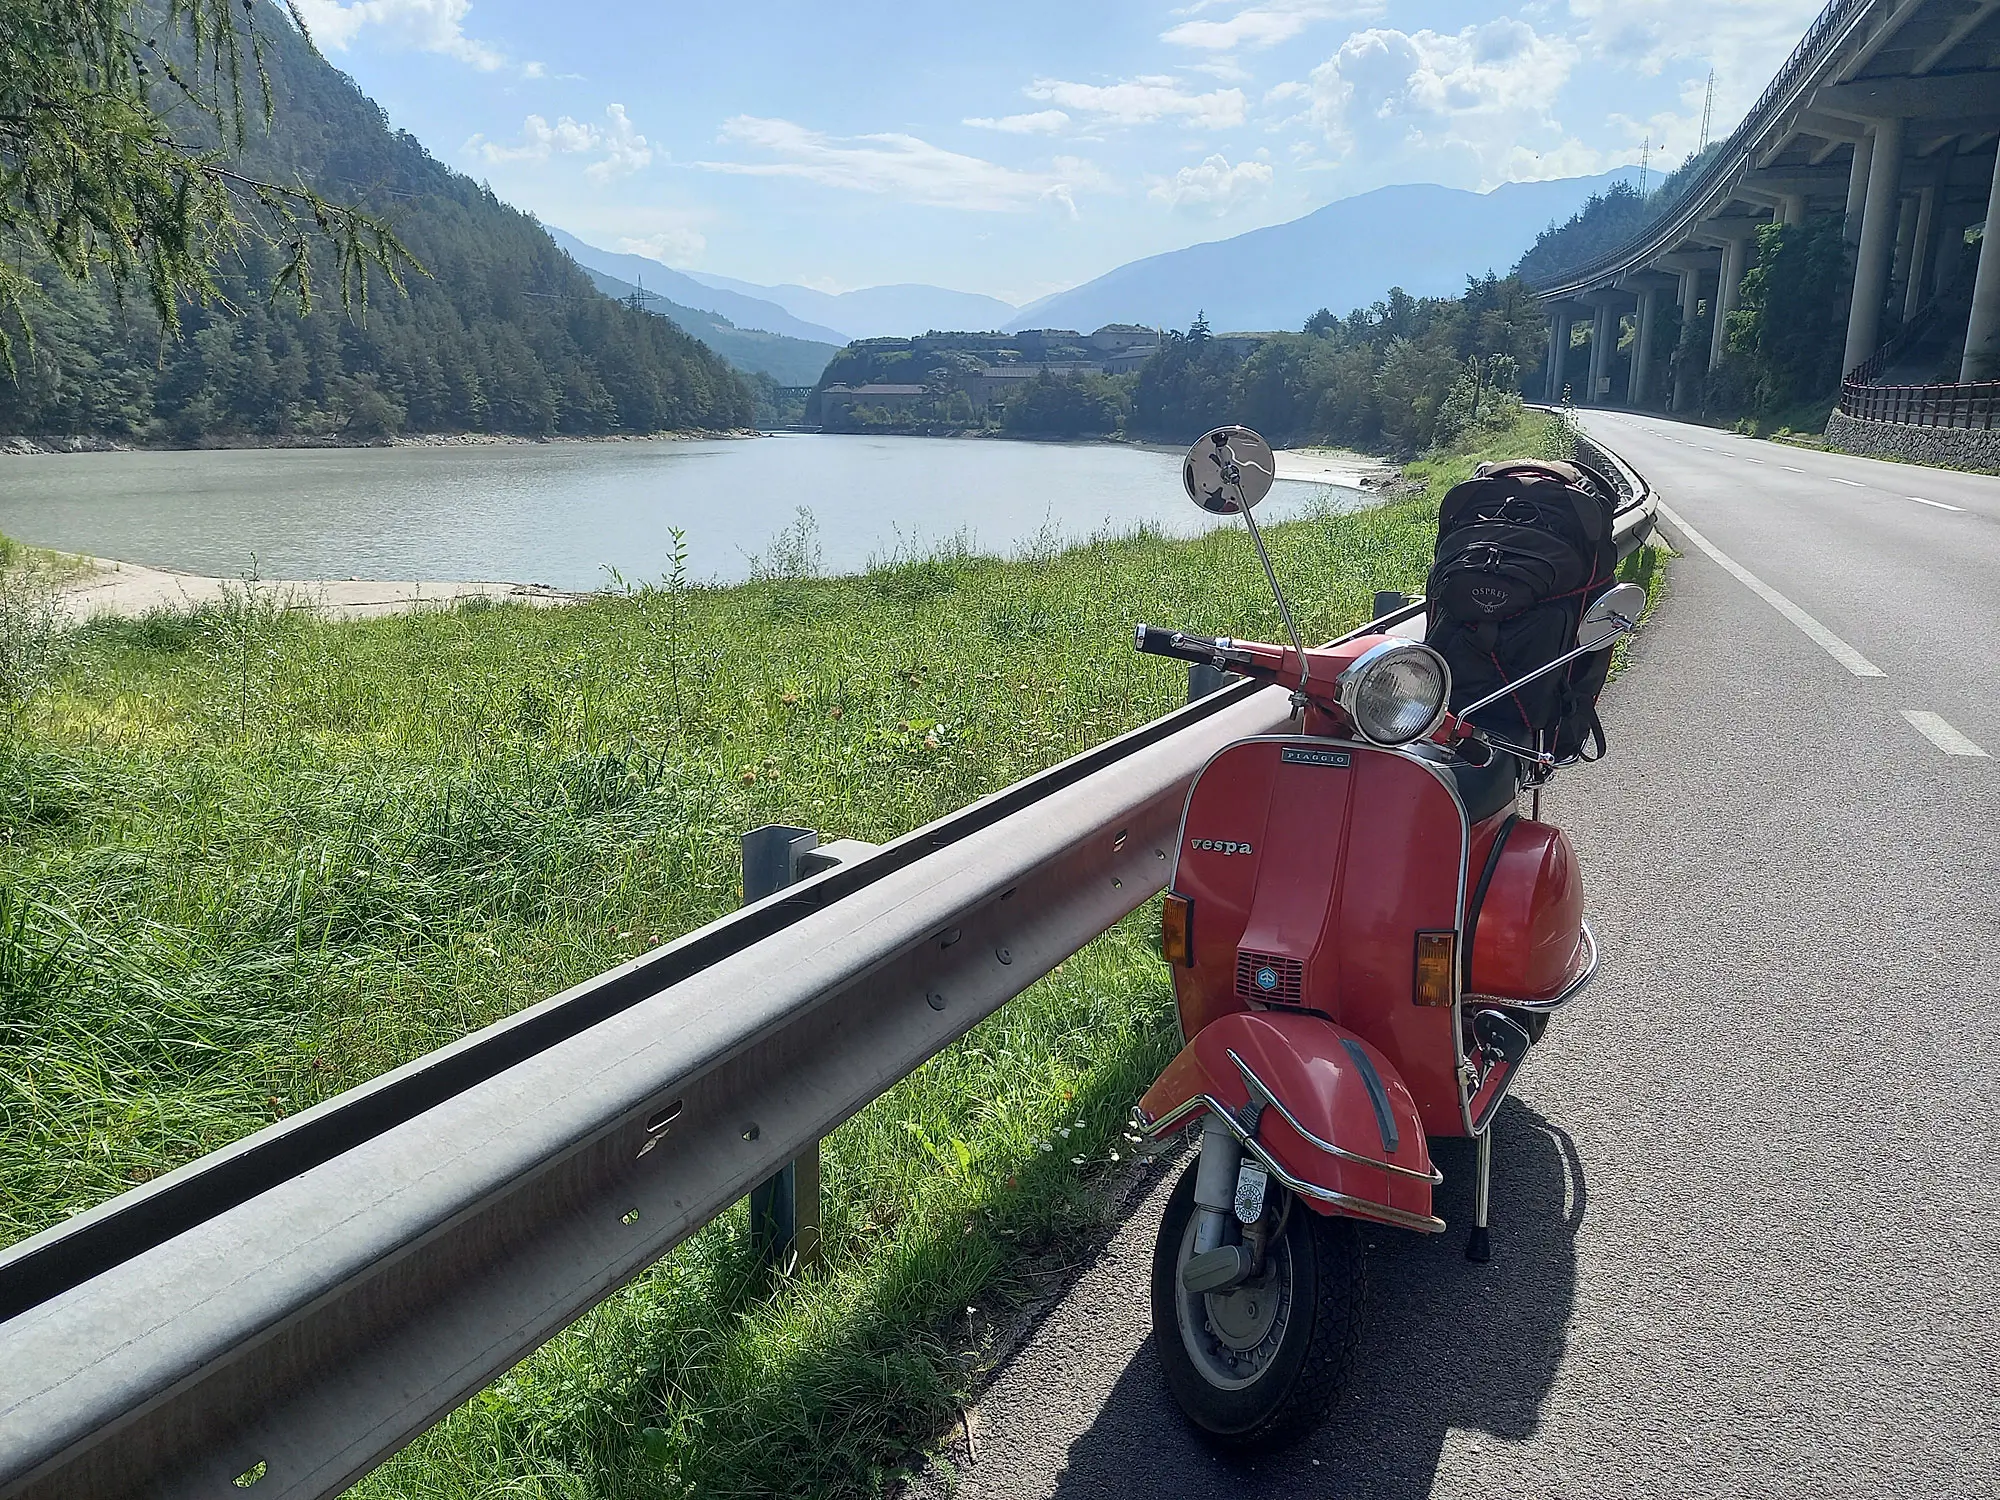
1219 846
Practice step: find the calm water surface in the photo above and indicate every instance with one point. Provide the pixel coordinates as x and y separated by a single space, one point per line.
562 513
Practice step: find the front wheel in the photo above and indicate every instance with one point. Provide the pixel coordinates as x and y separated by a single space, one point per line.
1260 1363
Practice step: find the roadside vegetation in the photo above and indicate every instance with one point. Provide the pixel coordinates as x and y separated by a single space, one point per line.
251 858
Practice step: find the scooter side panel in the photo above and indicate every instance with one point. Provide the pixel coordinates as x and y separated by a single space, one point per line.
1529 943
1323 1120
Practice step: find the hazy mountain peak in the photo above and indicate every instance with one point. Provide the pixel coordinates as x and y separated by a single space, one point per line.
1419 236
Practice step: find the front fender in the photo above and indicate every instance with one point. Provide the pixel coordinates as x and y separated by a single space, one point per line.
1322 1109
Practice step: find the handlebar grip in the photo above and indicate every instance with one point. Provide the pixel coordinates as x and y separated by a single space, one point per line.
1155 641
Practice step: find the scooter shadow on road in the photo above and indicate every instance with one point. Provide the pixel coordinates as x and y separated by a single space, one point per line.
1449 1345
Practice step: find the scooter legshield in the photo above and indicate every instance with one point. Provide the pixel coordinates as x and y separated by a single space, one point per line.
1323 1108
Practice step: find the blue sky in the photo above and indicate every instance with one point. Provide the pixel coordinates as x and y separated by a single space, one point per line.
1020 147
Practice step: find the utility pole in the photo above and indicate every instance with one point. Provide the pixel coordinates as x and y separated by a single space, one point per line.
1708 109
640 297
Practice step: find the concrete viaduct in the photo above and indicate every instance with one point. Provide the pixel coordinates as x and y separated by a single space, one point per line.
1887 114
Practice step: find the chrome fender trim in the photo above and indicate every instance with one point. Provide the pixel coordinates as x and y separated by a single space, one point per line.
1556 1002
1260 1093
1347 1203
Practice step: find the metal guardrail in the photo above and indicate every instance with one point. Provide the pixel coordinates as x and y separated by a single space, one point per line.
300 1305
282 1315
1975 406
1822 39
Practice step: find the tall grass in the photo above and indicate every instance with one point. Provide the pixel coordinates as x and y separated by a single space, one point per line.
249 858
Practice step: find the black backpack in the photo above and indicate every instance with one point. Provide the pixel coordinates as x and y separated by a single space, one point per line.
1523 548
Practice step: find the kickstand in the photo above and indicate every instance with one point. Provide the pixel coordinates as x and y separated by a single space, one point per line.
1478 1249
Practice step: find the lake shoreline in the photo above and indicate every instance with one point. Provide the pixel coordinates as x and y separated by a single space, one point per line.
38 447
107 588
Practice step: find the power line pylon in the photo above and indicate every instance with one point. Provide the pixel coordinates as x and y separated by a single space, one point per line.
1708 109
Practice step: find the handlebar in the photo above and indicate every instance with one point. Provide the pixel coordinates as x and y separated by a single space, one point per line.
1155 641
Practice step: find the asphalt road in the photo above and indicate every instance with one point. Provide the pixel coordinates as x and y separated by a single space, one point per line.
1747 1198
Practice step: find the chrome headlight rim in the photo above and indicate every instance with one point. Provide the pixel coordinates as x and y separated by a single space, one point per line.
1348 688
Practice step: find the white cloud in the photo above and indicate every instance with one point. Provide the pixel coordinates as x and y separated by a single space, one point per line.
676 246
1041 122
617 144
1213 187
900 166
1263 25
1483 95
1143 101
419 25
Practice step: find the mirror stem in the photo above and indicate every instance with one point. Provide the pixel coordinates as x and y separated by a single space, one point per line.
1284 609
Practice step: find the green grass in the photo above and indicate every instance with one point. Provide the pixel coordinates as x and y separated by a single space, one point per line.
249 858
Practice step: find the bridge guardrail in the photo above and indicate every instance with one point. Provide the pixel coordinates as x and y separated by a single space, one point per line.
1975 405
284 1314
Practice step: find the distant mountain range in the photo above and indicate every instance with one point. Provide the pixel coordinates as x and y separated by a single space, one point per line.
1423 238
901 311
798 311
787 360
681 288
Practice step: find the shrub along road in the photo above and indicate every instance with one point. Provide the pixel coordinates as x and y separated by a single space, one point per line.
1747 1198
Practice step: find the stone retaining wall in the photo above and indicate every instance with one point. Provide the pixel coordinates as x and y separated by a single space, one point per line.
1958 446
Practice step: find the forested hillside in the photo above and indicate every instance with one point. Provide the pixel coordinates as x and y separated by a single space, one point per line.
1397 376
1607 222
504 334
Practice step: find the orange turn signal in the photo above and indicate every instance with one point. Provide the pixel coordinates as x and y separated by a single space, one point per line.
1437 953
1177 930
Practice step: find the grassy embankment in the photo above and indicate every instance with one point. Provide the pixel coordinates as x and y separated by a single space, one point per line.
251 859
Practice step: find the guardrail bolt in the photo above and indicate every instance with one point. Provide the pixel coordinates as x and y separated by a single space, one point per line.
784 1208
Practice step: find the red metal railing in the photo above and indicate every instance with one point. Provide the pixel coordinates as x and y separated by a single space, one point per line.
1975 406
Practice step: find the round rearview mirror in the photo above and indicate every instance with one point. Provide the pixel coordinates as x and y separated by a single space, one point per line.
1616 612
1228 471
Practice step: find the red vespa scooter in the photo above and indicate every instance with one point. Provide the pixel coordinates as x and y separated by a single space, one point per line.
1366 940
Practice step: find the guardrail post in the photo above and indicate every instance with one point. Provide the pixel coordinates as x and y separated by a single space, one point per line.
784 1208
1205 678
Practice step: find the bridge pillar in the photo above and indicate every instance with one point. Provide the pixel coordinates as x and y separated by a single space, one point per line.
1857 188
1878 239
1603 339
1916 283
1728 292
1906 244
1638 386
1690 303
1982 331
1560 323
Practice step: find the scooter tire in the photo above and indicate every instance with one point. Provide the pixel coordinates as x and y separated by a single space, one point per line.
1316 1351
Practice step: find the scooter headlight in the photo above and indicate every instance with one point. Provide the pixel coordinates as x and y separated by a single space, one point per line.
1396 692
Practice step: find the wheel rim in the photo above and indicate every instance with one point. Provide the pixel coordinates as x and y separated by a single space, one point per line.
1233 1336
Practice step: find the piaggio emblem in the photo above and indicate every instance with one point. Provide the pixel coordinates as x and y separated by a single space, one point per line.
1219 846
1267 978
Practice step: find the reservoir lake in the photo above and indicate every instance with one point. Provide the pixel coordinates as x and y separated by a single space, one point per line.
564 513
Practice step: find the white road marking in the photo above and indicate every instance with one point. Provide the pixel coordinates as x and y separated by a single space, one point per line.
1941 734
1748 460
1938 503
1832 644
1850 483
1790 470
